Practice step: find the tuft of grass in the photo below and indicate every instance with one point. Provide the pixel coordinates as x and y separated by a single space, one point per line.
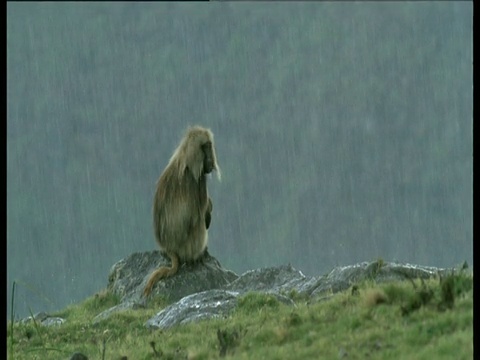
373 268
356 324
228 341
453 286
102 300
254 301
397 292
374 297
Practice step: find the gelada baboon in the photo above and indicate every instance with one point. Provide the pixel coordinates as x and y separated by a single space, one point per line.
181 206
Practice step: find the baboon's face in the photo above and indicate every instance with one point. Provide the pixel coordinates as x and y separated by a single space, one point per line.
208 159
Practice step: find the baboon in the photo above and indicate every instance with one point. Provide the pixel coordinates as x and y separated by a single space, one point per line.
181 206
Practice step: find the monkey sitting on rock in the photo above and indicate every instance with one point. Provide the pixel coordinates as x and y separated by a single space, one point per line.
181 206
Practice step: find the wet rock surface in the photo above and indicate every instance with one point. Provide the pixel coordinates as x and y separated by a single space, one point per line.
44 319
205 305
279 279
342 277
129 276
206 290
282 281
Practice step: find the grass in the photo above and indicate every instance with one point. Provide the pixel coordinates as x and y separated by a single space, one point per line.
401 320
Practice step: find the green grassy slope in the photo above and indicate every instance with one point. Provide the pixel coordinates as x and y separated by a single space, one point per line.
402 320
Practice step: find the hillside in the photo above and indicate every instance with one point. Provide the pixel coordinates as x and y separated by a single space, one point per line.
399 320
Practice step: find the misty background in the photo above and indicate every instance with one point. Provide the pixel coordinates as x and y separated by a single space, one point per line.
343 131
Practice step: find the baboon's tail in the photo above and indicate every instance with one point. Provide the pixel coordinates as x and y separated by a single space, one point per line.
161 273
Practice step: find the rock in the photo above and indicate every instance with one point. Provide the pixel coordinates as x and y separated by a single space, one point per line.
128 277
204 305
217 303
206 290
279 279
53 321
342 277
38 317
44 319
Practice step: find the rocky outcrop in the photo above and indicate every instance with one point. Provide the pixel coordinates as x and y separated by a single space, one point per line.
204 305
206 290
128 277
44 319
283 281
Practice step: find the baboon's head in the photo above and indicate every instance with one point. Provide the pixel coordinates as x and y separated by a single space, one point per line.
197 152
209 163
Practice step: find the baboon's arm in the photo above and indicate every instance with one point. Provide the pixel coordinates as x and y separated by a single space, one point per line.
208 213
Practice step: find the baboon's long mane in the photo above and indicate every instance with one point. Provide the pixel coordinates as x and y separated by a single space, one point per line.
188 154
